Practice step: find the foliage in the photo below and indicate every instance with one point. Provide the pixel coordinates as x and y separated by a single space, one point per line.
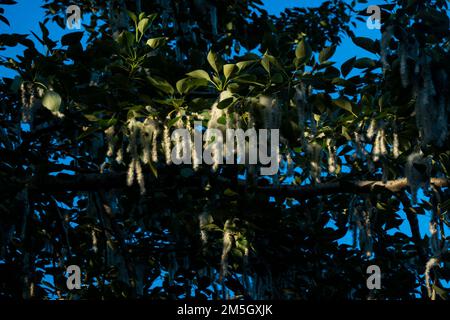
83 140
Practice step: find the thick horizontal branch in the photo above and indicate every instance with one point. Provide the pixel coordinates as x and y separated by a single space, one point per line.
354 187
96 181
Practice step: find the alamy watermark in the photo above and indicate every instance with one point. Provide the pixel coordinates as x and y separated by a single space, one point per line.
374 280
374 21
233 146
73 17
74 277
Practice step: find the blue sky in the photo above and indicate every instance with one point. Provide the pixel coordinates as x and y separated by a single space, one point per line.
25 15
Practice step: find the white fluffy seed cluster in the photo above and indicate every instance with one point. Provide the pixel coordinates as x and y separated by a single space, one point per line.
204 219
142 148
213 123
135 169
331 156
433 262
379 146
226 248
396 146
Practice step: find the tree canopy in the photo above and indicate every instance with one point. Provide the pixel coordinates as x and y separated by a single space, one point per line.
86 177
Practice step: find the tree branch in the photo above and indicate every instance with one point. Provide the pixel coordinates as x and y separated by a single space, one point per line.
96 181
356 187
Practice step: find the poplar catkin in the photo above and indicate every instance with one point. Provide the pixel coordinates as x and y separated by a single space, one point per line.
226 248
109 134
433 262
396 146
167 144
371 130
331 156
155 145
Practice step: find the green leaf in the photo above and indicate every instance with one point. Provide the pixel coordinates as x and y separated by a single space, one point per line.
222 120
265 62
277 78
153 169
364 63
244 64
441 292
228 70
126 39
303 51
213 61
162 85
344 104
199 74
230 193
132 16
225 103
186 85
344 132
326 53
347 66
156 42
52 101
365 43
173 121
71 38
143 25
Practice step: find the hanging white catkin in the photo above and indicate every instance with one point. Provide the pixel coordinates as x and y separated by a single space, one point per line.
204 219
167 144
371 130
119 156
376 152
140 176
331 156
383 148
109 134
196 158
135 168
213 123
396 146
132 149
226 248
433 262
147 132
131 173
94 241
155 145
